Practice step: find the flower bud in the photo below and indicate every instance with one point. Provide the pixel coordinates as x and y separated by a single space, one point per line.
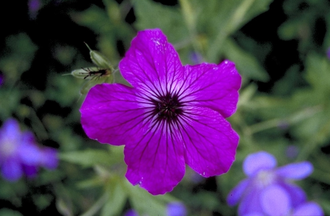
99 59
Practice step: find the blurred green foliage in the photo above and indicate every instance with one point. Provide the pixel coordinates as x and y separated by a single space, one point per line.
284 100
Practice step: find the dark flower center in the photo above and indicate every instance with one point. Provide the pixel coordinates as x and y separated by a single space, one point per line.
167 107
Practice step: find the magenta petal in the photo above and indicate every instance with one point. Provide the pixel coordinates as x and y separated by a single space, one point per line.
156 161
210 142
111 114
257 161
151 62
236 194
296 171
213 86
275 201
308 209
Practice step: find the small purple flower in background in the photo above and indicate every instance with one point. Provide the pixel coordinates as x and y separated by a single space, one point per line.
48 158
292 151
20 155
172 116
328 52
34 6
173 209
268 190
1 79
195 57
131 212
176 209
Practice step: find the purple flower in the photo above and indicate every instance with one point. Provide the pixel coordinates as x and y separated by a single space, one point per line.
328 52
131 212
176 209
19 154
49 158
195 57
1 79
172 116
292 151
265 182
34 6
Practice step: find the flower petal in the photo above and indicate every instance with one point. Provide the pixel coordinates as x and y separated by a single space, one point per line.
295 171
213 86
275 201
30 170
110 114
257 161
176 209
151 62
131 212
308 209
250 203
156 161
297 195
254 214
209 141
236 194
10 132
29 154
11 169
49 158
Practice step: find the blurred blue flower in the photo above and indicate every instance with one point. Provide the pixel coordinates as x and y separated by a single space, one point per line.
2 78
34 6
265 182
196 57
19 153
173 209
131 212
292 151
176 209
328 52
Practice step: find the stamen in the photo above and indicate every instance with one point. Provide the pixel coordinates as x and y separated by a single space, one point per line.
167 108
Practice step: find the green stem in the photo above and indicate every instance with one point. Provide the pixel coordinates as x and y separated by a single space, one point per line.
190 19
97 206
297 117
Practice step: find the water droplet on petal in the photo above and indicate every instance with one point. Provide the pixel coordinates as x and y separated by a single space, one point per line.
203 174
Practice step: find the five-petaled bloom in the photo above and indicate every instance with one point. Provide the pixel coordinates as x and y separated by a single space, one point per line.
268 191
20 155
172 116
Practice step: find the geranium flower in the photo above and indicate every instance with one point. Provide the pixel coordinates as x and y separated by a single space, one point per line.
265 182
171 116
20 155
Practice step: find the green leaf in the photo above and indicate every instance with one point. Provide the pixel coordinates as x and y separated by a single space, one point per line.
153 15
225 17
8 212
91 157
117 197
246 64
145 203
94 18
